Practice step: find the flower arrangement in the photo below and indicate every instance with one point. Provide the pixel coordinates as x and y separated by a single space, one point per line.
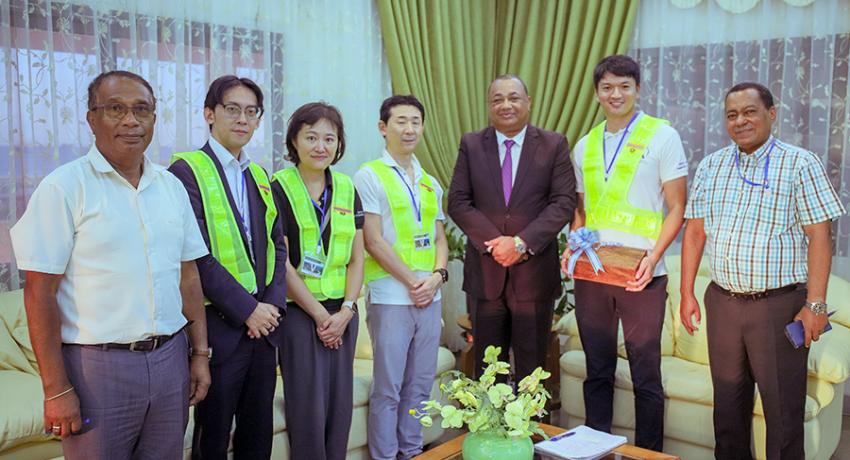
486 405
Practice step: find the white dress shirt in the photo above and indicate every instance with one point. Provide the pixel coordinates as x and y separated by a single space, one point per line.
389 290
119 248
516 149
234 173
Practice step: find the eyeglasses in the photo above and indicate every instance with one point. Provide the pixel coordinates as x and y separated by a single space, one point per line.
233 111
142 112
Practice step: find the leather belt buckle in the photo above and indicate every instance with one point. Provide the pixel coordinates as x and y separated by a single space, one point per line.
146 345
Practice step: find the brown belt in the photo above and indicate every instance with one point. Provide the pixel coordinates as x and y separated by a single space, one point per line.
146 345
757 295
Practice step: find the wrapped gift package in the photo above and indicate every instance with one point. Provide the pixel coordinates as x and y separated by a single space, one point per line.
618 262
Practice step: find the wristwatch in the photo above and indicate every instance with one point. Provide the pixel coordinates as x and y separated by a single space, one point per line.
201 352
817 307
520 245
351 306
444 273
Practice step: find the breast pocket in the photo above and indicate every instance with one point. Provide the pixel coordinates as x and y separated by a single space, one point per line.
770 210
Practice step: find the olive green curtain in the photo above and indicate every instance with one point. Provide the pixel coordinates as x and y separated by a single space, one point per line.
446 52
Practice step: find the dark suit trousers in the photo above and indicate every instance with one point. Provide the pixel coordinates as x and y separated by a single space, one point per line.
509 323
747 345
242 386
317 388
599 310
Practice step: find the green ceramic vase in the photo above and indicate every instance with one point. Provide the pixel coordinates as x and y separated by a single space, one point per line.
487 445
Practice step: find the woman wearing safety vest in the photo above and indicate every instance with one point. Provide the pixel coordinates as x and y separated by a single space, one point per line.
322 219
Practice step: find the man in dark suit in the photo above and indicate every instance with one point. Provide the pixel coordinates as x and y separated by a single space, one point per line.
512 192
244 277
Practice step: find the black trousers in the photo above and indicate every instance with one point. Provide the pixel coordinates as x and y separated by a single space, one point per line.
747 346
599 310
508 323
318 388
242 387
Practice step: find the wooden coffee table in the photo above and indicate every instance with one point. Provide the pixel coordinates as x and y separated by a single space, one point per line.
452 450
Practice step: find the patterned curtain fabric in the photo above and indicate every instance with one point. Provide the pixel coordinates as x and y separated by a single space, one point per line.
446 53
51 50
690 61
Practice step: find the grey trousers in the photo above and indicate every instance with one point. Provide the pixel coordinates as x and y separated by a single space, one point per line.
138 402
317 388
405 343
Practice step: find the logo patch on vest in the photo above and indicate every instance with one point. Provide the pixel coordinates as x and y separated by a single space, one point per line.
342 210
634 146
426 187
263 188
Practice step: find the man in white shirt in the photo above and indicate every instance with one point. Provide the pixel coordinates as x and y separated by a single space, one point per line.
405 268
109 243
629 165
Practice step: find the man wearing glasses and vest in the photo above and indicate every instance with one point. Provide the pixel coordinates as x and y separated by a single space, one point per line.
631 165
244 277
405 268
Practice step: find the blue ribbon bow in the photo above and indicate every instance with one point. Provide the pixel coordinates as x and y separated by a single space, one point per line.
582 241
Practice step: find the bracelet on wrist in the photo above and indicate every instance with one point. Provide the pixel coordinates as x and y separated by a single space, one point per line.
57 396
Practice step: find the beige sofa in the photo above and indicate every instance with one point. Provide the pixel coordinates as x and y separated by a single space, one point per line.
21 396
688 429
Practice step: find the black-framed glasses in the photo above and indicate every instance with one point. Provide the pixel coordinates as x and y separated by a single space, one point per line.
233 111
118 111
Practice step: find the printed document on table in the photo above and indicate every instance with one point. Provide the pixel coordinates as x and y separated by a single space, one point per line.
580 443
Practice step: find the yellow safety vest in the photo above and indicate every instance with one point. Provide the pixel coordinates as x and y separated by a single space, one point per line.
332 283
404 221
607 202
225 238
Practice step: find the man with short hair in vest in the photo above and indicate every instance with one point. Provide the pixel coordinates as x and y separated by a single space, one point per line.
627 169
244 277
405 268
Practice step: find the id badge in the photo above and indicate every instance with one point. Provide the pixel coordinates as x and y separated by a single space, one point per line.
312 266
421 242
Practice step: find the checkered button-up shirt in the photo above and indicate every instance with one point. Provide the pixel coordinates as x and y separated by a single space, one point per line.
755 207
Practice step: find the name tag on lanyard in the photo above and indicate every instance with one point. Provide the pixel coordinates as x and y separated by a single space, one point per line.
421 241
313 264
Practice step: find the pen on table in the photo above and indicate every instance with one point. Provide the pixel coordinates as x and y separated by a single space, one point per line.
563 435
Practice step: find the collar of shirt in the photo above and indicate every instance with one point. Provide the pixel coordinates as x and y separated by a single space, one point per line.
518 140
756 156
227 159
417 168
607 134
101 165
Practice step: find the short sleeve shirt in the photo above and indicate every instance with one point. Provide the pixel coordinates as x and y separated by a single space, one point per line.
374 198
118 247
755 206
664 160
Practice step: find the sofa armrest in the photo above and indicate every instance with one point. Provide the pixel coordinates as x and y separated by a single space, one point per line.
829 357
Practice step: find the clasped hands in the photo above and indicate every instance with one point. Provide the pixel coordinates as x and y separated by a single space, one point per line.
263 320
504 252
331 327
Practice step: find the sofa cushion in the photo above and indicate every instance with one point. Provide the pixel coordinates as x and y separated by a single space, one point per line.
829 357
23 418
363 347
838 299
15 348
689 347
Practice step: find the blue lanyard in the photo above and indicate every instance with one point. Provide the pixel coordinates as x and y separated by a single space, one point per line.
416 207
619 145
766 167
242 203
323 211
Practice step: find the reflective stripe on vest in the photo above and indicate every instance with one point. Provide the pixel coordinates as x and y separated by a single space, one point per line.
404 221
607 202
225 237
332 283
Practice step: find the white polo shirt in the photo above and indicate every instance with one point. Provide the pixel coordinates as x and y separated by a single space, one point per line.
663 160
389 290
119 247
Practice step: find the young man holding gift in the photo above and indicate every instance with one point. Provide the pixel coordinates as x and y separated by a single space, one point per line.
627 168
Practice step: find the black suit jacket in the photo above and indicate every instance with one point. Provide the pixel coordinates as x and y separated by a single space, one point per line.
543 199
231 303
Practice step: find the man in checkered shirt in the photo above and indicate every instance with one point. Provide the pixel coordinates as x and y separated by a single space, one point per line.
764 208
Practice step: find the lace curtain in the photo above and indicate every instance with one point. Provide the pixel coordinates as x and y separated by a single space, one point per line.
691 52
297 52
